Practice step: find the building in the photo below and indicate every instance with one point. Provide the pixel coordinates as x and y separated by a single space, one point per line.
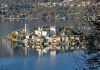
28 35
40 39
65 38
43 33
34 36
38 32
44 30
75 37
54 4
26 28
71 5
82 2
56 39
86 2
54 29
48 38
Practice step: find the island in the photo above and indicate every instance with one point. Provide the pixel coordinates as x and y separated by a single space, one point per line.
47 35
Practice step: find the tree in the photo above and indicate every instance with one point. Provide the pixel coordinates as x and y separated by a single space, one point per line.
13 34
19 33
93 47
33 30
69 32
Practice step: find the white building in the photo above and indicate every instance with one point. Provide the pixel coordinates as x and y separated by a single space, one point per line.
43 33
28 35
38 32
26 28
54 29
34 36
44 30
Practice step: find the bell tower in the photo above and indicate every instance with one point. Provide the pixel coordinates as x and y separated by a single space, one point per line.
26 28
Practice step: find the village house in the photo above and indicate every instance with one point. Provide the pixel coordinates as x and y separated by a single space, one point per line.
56 39
40 39
85 2
65 38
28 35
48 38
82 2
71 37
74 37
54 4
37 32
77 37
88 2
44 28
34 36
60 4
54 29
71 5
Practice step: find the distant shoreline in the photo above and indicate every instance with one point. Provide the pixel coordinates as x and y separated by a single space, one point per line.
20 18
40 18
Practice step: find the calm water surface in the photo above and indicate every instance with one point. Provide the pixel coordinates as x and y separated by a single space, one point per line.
22 58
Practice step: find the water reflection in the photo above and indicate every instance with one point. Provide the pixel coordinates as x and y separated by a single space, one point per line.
15 48
50 55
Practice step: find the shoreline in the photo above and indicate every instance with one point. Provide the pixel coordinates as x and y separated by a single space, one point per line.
45 43
40 18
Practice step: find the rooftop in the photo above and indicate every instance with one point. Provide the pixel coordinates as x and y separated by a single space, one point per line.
53 27
45 26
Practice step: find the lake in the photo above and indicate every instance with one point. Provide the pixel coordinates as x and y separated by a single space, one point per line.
24 58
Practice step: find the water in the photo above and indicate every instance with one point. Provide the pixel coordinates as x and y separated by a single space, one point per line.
23 58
